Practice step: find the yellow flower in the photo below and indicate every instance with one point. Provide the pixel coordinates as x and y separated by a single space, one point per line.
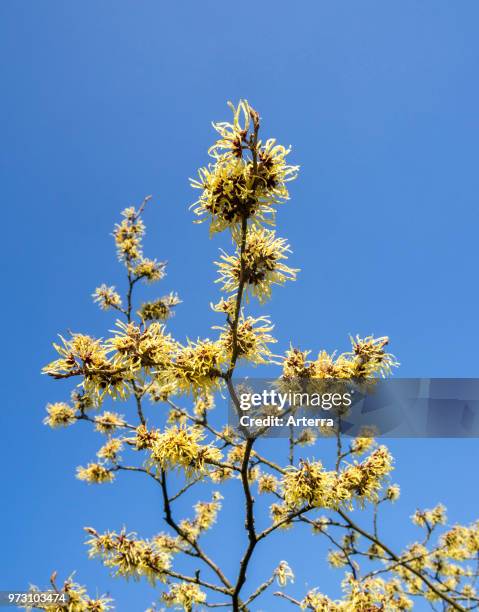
82 401
128 235
247 179
261 266
296 365
204 404
183 594
149 270
364 442
129 556
145 438
367 360
365 479
227 307
196 367
60 414
206 512
77 598
108 422
166 543
106 297
150 348
337 559
314 600
110 450
252 339
393 492
267 483
370 358
181 447
430 518
85 356
95 473
280 514
220 474
159 310
310 485
284 574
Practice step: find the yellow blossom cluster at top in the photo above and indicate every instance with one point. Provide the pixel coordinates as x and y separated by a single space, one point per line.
247 178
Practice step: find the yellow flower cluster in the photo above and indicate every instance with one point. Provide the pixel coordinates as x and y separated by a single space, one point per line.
110 450
430 518
267 483
206 512
150 348
128 236
159 310
284 574
76 600
95 473
145 438
184 595
196 367
296 365
369 595
128 556
134 351
364 442
461 542
167 543
393 492
316 601
312 485
82 401
247 179
149 270
367 359
85 356
364 480
374 594
181 447
59 414
205 517
108 422
337 559
106 297
252 339
280 513
204 404
226 307
260 267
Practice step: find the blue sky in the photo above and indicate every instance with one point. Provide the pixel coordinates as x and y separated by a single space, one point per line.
103 103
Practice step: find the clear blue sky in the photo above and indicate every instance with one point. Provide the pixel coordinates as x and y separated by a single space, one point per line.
105 102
